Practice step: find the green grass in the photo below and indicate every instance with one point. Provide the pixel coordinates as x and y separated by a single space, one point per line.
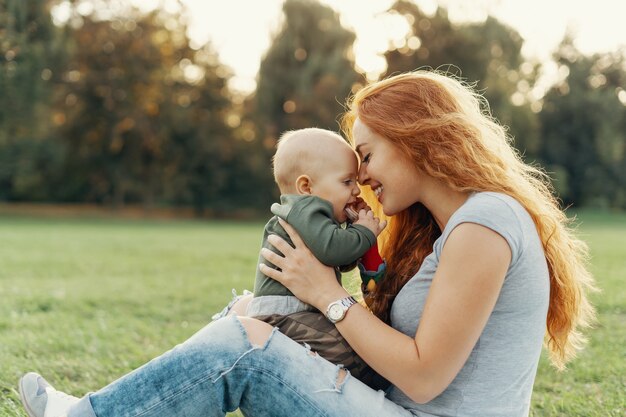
85 301
595 383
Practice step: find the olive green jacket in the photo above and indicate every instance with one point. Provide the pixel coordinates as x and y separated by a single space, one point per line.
312 217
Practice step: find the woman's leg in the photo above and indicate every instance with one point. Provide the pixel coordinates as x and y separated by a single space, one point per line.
185 381
241 305
226 366
237 305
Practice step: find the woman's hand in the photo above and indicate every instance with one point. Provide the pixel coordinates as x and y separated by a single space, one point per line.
300 271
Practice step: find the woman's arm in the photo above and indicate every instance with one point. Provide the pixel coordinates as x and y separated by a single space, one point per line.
465 288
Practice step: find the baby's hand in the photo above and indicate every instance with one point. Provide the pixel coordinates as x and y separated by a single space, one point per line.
367 219
360 204
352 211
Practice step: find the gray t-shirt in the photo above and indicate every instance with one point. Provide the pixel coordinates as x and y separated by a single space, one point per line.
498 377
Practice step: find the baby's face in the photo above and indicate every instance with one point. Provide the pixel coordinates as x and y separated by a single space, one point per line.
336 180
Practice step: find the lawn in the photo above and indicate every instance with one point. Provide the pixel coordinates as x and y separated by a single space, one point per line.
85 301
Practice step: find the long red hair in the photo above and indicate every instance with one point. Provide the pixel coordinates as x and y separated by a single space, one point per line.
446 129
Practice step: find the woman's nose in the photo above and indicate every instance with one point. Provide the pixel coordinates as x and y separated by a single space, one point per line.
363 177
356 190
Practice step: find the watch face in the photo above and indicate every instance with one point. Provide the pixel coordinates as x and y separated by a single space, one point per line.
335 312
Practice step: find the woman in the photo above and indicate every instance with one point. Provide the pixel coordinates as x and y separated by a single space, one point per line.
480 263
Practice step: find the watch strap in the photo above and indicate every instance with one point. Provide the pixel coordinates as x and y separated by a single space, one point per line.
345 303
348 302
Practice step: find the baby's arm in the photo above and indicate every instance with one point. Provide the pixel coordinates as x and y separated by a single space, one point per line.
371 260
373 223
371 266
329 242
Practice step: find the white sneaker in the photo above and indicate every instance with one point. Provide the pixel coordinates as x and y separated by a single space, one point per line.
40 399
58 403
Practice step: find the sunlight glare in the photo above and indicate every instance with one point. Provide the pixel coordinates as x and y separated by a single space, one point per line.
241 30
621 95
85 8
61 13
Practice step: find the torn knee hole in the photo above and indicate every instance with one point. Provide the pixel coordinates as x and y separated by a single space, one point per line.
311 353
240 305
341 376
258 332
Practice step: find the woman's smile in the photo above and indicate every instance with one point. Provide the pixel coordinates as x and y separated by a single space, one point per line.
378 191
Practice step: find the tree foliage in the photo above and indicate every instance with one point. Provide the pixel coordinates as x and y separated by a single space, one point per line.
304 78
487 54
583 124
308 71
31 50
142 113
114 106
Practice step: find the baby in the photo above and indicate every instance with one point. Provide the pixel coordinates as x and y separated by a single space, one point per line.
316 171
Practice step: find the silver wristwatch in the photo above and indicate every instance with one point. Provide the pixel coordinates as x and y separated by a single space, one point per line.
336 311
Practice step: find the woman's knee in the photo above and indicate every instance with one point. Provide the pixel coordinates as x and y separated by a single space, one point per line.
258 332
240 306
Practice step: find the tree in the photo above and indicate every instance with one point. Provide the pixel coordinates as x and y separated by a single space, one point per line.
209 165
308 72
304 78
584 128
142 112
485 53
31 51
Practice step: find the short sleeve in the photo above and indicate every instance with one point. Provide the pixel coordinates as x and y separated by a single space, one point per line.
495 211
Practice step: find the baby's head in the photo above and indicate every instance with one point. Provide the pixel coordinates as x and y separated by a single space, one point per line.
317 162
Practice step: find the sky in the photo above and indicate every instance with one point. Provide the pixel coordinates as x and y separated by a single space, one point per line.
241 30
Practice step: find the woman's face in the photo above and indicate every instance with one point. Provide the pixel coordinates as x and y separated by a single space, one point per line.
392 176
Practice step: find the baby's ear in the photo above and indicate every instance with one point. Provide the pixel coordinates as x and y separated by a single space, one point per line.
303 184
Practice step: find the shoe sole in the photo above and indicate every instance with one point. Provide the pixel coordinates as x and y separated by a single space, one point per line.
24 403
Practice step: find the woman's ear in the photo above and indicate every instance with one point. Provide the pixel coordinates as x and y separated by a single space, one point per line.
303 184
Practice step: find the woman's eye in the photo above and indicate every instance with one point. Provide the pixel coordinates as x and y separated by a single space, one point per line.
348 182
367 158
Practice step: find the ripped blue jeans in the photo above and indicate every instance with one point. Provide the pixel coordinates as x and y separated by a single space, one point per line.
218 370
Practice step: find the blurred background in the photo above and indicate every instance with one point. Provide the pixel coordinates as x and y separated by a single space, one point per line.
178 104
171 108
